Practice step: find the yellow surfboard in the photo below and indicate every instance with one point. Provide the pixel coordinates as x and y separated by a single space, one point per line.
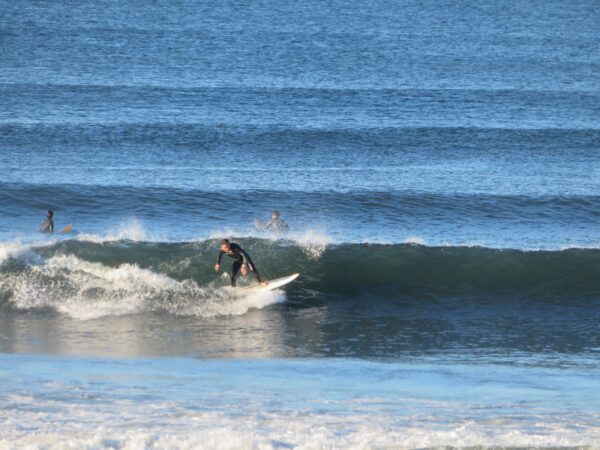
67 229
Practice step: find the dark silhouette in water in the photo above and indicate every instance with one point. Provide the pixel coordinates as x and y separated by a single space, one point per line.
47 225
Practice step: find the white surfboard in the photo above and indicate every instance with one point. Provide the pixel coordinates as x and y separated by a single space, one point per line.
273 284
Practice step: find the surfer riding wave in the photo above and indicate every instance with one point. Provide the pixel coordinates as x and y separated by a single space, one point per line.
241 261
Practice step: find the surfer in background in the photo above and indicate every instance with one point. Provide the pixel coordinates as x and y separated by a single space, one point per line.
241 261
47 225
274 224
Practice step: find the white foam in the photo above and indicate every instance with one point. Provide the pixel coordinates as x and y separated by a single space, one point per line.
231 233
417 240
11 250
131 229
85 290
313 241
577 247
137 425
17 250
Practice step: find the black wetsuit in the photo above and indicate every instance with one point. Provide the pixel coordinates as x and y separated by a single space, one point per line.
240 257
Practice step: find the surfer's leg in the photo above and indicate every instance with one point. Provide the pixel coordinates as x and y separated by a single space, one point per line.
235 268
252 268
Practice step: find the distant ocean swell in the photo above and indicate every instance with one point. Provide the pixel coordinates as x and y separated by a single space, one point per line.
125 277
297 138
98 102
123 201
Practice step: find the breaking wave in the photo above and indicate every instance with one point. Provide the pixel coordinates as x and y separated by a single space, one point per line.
86 279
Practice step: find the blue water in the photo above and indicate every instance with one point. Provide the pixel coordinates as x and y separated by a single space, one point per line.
336 403
438 165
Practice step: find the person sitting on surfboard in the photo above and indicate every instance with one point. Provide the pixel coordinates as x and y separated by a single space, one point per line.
241 261
47 225
274 224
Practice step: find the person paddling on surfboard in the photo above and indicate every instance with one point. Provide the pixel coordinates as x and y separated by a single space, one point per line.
47 225
275 223
241 261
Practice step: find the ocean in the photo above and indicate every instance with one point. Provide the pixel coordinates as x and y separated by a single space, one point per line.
438 164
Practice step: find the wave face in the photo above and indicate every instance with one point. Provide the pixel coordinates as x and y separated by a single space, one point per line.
179 278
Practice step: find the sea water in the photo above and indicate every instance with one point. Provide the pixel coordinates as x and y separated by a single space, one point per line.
438 165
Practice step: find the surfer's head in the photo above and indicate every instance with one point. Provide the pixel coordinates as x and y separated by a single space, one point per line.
49 214
275 215
225 245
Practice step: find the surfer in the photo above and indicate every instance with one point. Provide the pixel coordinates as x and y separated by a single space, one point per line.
241 261
47 225
274 224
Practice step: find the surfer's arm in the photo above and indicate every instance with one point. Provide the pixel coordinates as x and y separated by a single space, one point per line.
218 264
265 225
